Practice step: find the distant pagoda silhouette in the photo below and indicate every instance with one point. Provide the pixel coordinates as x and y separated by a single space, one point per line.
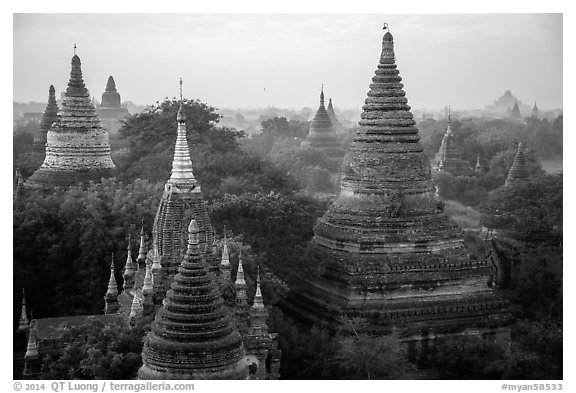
49 117
322 135
333 119
77 148
385 251
518 171
193 335
111 110
449 158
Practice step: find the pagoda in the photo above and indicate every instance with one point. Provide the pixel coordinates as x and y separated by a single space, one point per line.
515 112
535 112
332 115
193 335
77 148
111 110
49 117
322 135
181 201
449 159
385 251
518 171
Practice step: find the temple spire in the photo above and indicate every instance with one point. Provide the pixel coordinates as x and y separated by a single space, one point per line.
258 300
23 324
322 96
519 170
32 356
182 176
225 262
129 268
240 284
111 296
478 167
142 250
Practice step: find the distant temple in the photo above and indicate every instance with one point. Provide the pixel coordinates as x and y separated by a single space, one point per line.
515 112
77 148
333 119
322 135
49 117
449 159
518 171
111 110
535 112
385 251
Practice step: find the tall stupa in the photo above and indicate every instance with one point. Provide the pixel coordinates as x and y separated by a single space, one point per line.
49 117
385 251
193 335
77 148
322 135
181 201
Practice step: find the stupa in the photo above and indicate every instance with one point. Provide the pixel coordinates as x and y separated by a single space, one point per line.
181 201
193 336
385 251
322 135
77 148
449 158
49 117
518 171
332 114
535 112
111 110
515 112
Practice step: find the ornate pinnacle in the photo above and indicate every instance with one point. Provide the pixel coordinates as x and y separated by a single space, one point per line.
258 301
112 286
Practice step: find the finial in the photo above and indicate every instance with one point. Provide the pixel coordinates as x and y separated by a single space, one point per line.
74 48
180 88
385 26
449 113
193 227
129 240
112 264
142 227
322 95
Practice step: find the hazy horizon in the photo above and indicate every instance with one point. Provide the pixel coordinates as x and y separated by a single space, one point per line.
280 60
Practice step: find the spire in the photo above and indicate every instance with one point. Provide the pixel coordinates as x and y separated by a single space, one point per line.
193 336
225 265
111 97
110 85
111 296
142 249
32 348
135 307
516 111
322 96
478 167
535 111
182 176
519 170
258 300
129 267
322 134
49 117
147 287
240 284
23 324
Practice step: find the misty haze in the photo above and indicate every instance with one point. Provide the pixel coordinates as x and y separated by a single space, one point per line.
288 196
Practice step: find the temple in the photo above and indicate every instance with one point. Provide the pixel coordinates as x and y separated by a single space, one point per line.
518 171
181 201
193 336
322 135
385 251
535 112
449 159
77 147
111 110
333 119
515 112
49 117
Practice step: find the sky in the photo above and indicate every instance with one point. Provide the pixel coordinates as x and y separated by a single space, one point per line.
257 60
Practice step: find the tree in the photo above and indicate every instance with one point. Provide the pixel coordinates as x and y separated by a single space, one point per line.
95 350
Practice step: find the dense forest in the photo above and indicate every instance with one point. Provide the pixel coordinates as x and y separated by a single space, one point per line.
268 192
